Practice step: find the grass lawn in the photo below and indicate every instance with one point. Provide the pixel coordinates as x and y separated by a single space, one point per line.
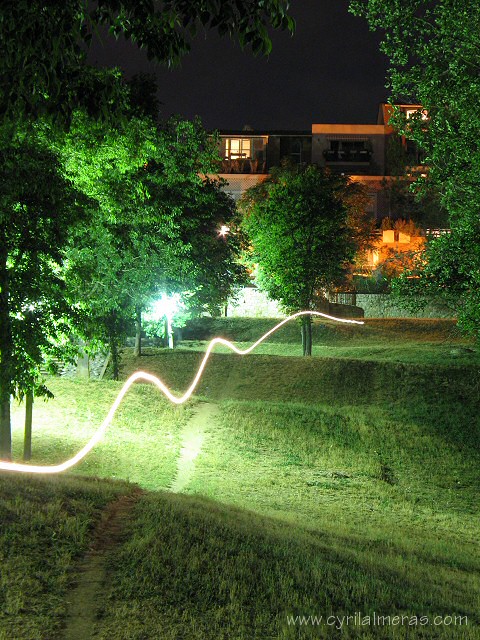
141 445
325 487
426 341
45 527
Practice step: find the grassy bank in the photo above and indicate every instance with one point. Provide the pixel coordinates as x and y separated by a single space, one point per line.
141 445
323 487
46 525
313 510
386 330
311 380
194 568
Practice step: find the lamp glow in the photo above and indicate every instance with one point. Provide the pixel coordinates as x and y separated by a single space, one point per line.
142 375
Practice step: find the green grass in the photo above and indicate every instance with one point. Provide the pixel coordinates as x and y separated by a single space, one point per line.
376 330
432 353
309 380
325 487
424 341
142 450
364 468
331 510
45 527
194 568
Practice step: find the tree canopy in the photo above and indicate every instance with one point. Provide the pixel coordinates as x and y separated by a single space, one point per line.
156 230
304 228
45 205
38 208
44 44
434 52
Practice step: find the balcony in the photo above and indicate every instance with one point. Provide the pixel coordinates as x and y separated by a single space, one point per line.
242 165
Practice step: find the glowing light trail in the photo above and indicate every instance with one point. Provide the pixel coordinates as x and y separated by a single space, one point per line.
142 375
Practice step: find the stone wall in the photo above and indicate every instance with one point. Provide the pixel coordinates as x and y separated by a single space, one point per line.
381 305
253 303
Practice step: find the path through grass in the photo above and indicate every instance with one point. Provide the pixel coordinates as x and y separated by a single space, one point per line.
325 487
45 527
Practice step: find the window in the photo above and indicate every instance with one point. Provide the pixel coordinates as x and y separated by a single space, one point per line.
236 148
411 112
348 150
295 151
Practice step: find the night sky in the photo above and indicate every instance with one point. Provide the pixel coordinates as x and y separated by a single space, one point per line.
331 71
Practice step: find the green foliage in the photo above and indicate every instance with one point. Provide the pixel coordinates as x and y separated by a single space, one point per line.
44 46
434 55
157 226
297 221
44 76
306 226
417 201
39 208
447 273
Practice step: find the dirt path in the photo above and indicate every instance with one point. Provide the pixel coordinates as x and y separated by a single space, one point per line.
83 600
192 440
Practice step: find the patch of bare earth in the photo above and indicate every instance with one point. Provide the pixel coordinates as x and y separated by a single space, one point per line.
84 598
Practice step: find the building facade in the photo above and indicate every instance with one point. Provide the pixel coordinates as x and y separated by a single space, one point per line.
360 151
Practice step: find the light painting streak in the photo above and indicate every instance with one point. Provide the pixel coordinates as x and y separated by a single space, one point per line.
142 375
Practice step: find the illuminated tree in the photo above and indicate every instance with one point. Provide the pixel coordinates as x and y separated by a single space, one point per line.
43 72
301 225
39 206
435 61
156 230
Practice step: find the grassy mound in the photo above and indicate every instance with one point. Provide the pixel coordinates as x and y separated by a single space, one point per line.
313 380
46 525
373 329
324 487
193 568
141 445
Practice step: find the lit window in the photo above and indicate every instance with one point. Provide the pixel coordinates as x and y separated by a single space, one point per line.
410 113
238 148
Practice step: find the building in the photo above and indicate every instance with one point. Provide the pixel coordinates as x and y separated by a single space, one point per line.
371 154
360 151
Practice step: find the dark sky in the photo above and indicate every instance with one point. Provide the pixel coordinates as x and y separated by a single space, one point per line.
331 71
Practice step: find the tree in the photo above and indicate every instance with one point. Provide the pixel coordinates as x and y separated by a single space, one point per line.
446 274
156 230
44 45
38 208
435 60
43 73
298 222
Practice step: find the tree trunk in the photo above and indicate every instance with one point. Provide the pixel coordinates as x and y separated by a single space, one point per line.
114 345
115 358
165 332
6 349
169 333
27 439
137 351
83 363
307 335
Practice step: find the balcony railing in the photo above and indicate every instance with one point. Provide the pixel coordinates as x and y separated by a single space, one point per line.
356 155
242 165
